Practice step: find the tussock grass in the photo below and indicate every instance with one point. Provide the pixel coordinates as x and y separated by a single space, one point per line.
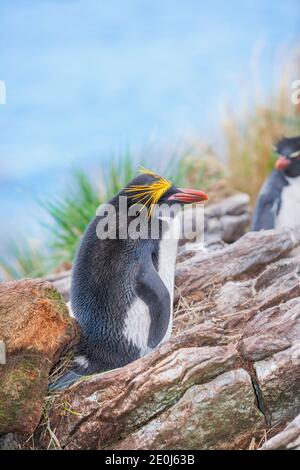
250 135
72 211
24 260
70 215
77 205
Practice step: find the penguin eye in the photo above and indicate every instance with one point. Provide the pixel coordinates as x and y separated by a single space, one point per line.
295 154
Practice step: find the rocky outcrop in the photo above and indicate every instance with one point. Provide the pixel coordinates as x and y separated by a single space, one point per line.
35 328
229 374
203 418
288 439
228 219
62 282
9 442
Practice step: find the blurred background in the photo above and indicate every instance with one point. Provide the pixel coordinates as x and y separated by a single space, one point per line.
196 90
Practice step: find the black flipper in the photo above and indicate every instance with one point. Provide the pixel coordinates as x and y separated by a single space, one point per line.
154 293
268 202
265 213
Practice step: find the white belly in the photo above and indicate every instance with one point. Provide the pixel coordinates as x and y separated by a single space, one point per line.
289 213
166 265
137 323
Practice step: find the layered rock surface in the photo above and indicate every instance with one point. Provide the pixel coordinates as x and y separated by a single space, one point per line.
288 439
230 373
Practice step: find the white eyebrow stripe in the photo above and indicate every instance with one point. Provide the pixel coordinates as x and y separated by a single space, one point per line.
295 154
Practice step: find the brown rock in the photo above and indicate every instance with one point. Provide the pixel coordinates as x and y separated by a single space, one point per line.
279 382
119 401
288 439
36 328
61 282
228 219
204 418
230 370
245 257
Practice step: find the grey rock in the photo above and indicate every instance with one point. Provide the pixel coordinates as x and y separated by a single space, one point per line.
9 442
288 439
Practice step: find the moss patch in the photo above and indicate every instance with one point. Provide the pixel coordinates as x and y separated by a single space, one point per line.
23 383
58 302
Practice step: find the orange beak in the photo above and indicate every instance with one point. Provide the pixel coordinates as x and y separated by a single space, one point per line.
282 163
188 196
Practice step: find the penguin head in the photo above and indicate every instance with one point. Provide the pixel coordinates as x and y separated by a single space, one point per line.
150 189
288 161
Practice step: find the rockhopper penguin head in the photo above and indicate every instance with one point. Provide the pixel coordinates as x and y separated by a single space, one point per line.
288 161
149 189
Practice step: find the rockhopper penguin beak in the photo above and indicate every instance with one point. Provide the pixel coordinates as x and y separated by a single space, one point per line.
288 152
278 202
282 163
188 196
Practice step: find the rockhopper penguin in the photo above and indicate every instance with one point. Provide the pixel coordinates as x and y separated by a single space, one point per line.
122 288
278 203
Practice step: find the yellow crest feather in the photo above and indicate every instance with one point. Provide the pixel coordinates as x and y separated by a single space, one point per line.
149 194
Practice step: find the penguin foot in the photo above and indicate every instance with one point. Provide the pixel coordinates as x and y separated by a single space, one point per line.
65 381
81 369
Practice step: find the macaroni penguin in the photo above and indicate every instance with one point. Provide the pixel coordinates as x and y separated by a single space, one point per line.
122 287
